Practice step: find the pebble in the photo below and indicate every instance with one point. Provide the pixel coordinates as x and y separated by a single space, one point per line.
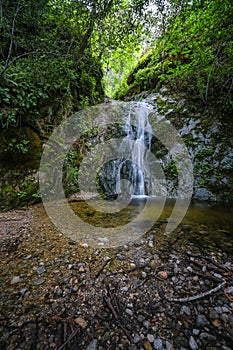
40 270
196 331
136 338
146 324
92 345
120 257
162 274
38 282
129 312
158 344
147 346
185 310
143 274
15 279
81 322
150 337
201 321
169 346
192 343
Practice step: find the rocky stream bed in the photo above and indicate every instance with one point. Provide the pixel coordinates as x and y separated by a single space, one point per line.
159 292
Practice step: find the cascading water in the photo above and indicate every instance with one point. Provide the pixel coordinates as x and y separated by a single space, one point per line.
133 152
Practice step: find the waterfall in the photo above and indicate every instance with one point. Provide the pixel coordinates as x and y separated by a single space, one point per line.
130 169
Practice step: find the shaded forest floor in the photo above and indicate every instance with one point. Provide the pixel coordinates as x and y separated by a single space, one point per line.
57 294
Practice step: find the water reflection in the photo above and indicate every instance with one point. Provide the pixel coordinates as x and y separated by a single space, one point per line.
205 223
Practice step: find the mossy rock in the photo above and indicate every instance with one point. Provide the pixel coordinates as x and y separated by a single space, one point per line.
20 148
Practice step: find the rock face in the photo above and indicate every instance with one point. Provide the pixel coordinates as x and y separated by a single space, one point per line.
168 151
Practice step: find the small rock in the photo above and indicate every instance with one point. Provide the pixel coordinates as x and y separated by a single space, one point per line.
136 338
150 337
38 282
92 345
146 324
125 289
129 312
185 310
15 279
81 322
120 257
162 274
143 274
189 268
218 309
147 346
196 331
150 244
23 291
40 270
192 343
207 336
201 321
169 346
158 344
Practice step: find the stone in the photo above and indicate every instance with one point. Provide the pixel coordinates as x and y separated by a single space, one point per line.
92 345
15 279
158 344
136 338
169 346
129 312
38 282
192 343
40 270
150 337
81 322
185 310
162 274
147 346
201 321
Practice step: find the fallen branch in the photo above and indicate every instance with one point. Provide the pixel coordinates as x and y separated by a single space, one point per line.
112 309
102 268
199 296
73 334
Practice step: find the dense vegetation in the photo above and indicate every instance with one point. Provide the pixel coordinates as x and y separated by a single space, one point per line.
58 56
193 55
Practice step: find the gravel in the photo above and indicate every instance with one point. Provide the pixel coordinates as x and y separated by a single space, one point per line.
54 294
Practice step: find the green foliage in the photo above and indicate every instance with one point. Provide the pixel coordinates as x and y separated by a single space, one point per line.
193 55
